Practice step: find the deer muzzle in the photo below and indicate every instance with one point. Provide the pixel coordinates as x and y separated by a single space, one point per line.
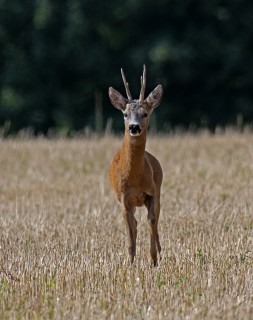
134 129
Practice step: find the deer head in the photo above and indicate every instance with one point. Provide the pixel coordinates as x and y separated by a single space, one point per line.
136 111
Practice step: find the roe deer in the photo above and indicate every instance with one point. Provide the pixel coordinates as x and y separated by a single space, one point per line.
136 175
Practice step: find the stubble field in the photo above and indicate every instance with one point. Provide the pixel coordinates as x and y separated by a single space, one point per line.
63 248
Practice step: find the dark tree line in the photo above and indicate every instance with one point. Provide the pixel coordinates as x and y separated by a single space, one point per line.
57 55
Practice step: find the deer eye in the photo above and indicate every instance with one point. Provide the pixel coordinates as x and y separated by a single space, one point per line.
145 115
125 115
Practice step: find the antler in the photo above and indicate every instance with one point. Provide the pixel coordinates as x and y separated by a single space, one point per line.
143 84
126 85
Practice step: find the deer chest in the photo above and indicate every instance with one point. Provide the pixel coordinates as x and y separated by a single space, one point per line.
133 197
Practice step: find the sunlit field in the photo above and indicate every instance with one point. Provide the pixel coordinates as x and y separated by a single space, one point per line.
63 250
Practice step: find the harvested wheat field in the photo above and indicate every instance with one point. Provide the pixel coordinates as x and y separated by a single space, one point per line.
63 250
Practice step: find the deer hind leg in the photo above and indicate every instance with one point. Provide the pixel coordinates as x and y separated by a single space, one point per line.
153 220
131 229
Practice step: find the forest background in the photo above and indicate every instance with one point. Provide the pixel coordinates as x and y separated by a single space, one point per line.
58 58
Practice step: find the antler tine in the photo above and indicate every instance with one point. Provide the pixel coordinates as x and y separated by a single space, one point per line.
143 84
129 96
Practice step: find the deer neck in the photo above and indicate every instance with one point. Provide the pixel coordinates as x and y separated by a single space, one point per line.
133 151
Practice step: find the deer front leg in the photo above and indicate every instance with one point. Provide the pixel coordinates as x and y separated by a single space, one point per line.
157 213
154 237
131 229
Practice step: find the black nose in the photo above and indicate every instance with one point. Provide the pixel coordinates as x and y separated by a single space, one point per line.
134 128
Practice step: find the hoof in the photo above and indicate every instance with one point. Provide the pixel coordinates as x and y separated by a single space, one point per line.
154 260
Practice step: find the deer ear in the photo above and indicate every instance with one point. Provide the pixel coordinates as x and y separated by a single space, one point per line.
155 97
117 100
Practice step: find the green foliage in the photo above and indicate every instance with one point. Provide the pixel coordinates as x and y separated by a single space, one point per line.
54 56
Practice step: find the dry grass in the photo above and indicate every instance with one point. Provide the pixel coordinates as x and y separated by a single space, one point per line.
63 245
